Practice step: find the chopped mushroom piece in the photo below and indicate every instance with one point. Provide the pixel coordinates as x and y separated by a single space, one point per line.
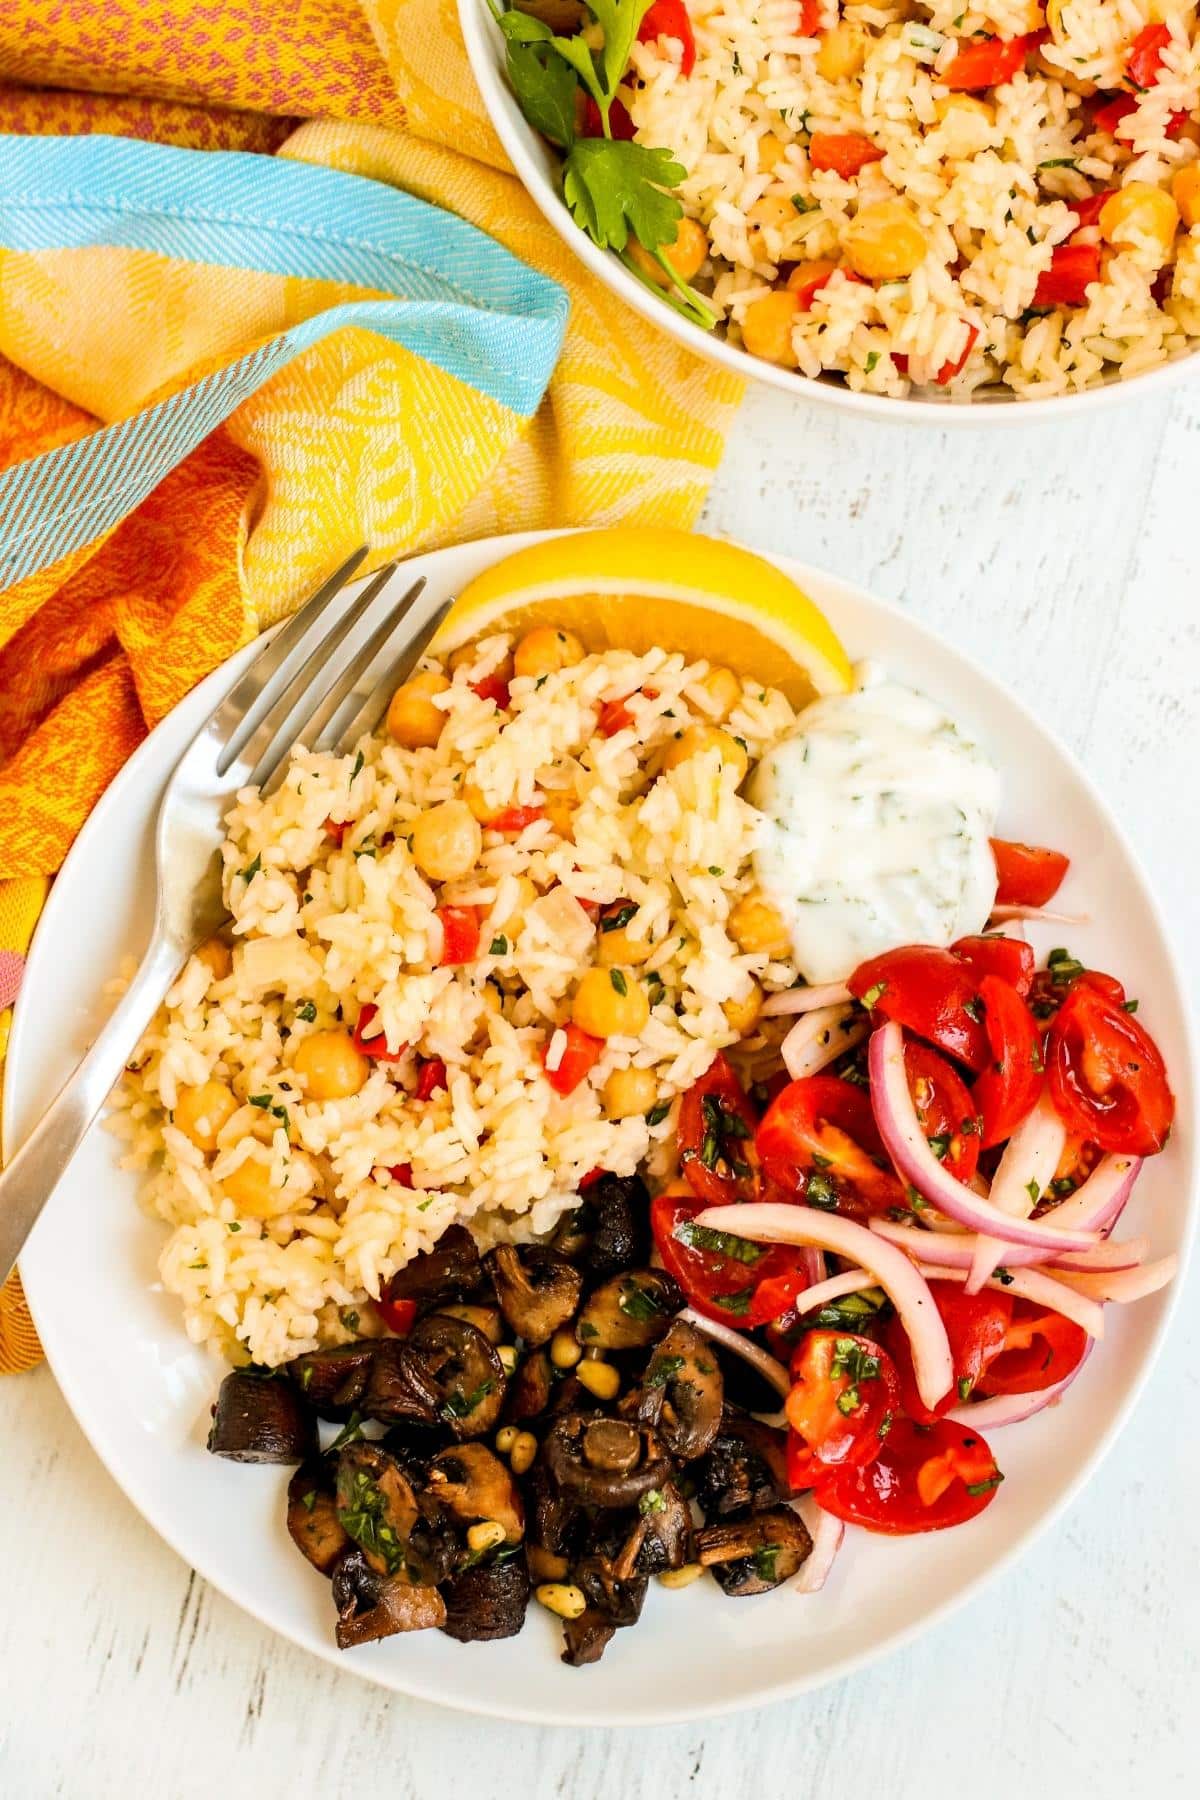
487 1602
450 1271
334 1381
629 1312
537 1290
473 1484
610 1229
745 1468
754 1555
262 1420
312 1516
586 1638
452 1368
529 1389
566 1454
391 1396
378 1506
683 1392
372 1606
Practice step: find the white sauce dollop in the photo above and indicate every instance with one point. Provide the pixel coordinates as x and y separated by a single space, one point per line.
877 812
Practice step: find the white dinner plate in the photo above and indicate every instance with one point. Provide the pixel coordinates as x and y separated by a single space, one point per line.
141 1392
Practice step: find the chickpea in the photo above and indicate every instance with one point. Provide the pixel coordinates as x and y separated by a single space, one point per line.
754 925
200 1112
884 241
216 956
771 213
544 650
249 1187
332 1068
968 104
743 1014
698 739
615 948
610 1003
560 810
767 327
1186 191
1139 211
722 690
771 151
843 51
967 123
629 1093
412 718
685 255
446 841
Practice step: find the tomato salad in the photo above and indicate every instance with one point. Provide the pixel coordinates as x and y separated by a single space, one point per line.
913 1242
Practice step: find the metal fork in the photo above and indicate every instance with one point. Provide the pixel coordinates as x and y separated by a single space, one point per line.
291 694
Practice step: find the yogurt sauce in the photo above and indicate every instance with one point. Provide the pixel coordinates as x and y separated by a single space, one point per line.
877 812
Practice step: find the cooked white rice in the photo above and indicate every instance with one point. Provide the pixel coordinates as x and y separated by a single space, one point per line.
320 929
988 183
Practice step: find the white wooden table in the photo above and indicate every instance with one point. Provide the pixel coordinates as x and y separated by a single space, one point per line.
1065 558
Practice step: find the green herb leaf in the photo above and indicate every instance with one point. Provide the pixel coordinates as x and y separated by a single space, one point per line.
975 1488
251 871
306 1011
658 1113
615 188
499 946
638 1302
357 769
652 1501
874 995
617 978
723 1243
545 86
617 921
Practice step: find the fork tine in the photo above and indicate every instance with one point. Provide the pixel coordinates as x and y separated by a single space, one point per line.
259 753
373 707
317 728
246 702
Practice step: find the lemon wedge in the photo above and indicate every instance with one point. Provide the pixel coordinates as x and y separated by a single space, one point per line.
632 587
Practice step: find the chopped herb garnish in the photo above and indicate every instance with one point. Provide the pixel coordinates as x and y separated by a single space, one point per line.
309 1500
714 870
874 994
974 1010
617 921
661 1371
764 1560
975 1488
1033 1190
1063 1185
306 1011
723 1243
872 359
637 1302
803 205
857 1364
358 763
499 946
349 1318
940 1145
459 1406
1129 1006
620 985
1003 1277
652 1501
251 871
350 1432
233 1226
586 1330
658 1113
738 1304
965 1384
820 1192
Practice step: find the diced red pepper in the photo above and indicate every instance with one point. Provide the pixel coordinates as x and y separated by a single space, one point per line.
953 366
845 152
986 63
1109 116
590 1179
516 818
460 934
1145 57
337 829
578 1059
615 716
430 1077
402 1174
619 122
810 18
374 1043
1088 211
398 1315
492 687
669 18
1072 268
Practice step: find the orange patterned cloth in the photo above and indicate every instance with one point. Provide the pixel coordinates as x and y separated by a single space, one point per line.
102 645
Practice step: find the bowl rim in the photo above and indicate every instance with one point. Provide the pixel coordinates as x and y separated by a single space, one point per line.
480 36
1186 1080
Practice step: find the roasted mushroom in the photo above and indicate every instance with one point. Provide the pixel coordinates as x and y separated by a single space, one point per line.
745 1469
456 1373
334 1381
473 1484
555 1526
312 1515
586 1638
260 1419
661 1536
390 1395
616 1598
378 1507
630 1312
620 1231
754 1555
537 1290
602 1462
488 1601
371 1606
450 1271
529 1389
682 1392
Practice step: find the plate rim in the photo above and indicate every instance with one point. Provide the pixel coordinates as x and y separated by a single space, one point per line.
1187 1088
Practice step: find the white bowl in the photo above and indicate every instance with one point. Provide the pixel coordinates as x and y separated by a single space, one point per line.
141 1392
537 164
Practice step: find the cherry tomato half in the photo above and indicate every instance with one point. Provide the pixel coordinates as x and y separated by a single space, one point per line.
841 1408
991 954
930 992
945 1108
1009 1087
925 1478
1026 874
716 1137
717 1271
818 1142
976 1325
1052 984
1039 1349
1107 1077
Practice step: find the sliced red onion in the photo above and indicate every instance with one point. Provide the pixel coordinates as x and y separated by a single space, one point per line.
1040 914
1099 1202
908 1147
850 1281
1010 1409
956 1250
806 999
1043 1290
819 1038
771 1371
1122 1284
826 1533
772 1223
814 1265
1025 1170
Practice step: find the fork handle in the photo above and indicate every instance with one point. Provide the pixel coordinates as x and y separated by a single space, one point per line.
43 1159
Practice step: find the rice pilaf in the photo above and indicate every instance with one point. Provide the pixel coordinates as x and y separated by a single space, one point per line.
289 1211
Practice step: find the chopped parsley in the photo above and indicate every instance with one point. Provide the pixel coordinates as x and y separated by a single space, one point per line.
652 1501
252 869
617 921
499 946
306 1011
662 1370
874 994
617 978
356 770
638 1302
658 1113
722 1243
459 1406
764 1560
975 1488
